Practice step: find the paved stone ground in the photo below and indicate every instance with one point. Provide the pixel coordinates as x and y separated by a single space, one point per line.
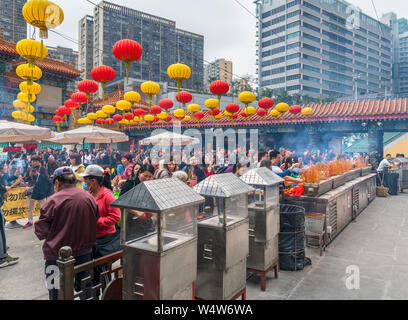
377 243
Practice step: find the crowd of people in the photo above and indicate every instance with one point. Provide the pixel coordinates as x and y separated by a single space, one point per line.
75 190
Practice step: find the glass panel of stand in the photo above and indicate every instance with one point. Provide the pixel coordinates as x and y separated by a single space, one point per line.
224 211
263 197
159 232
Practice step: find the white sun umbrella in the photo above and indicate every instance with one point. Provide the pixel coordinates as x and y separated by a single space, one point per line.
169 138
88 134
14 132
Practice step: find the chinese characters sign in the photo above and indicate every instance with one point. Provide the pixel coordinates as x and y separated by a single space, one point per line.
50 97
15 206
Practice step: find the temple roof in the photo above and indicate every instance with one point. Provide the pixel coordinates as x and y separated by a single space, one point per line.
46 64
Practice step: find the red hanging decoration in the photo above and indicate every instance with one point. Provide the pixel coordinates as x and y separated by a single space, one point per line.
184 97
127 51
79 97
70 104
117 117
232 108
129 116
87 86
139 112
103 74
295 109
261 112
155 110
219 88
166 104
266 103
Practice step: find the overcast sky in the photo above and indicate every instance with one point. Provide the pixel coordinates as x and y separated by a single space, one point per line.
228 29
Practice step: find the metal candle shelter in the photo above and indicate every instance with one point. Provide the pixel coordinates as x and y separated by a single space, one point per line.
222 237
159 239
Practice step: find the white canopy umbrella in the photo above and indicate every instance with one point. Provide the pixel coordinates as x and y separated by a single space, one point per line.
88 134
169 138
14 132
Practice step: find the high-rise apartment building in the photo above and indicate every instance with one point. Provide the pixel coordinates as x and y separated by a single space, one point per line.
85 46
220 69
12 22
163 44
321 48
63 54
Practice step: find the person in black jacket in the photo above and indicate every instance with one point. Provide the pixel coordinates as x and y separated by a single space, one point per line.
39 188
5 259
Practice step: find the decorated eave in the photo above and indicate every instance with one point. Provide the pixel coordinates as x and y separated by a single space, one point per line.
9 49
370 110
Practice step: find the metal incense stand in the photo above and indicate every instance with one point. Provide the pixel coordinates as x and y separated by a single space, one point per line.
264 211
223 238
159 240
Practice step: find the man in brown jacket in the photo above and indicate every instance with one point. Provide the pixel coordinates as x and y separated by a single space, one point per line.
68 218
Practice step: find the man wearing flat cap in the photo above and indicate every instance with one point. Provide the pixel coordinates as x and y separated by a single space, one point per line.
68 218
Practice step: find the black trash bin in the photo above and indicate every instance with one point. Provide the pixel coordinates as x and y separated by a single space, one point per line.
391 182
292 238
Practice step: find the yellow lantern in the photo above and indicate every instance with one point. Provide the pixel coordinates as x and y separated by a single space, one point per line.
228 114
25 97
162 115
19 104
179 72
179 114
193 108
212 103
307 111
149 118
246 97
92 116
217 117
31 50
150 89
16 115
123 105
30 118
282 107
132 96
250 111
274 113
43 14
28 73
101 114
34 88
29 109
108 109
187 119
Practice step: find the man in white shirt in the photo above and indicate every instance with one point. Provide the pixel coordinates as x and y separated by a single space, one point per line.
384 163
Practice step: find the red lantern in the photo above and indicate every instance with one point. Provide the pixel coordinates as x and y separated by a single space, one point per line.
99 121
199 115
117 117
109 121
155 110
127 51
261 112
166 104
103 74
295 109
243 114
129 116
87 86
65 110
232 108
79 97
56 119
235 116
184 97
219 88
139 112
266 103
70 104
59 113
214 112
168 119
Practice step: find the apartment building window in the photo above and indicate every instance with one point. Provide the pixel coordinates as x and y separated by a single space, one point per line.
293 88
273 41
337 47
360 55
293 66
293 77
311 16
373 51
386 48
336 67
360 64
374 35
373 60
337 76
337 86
385 40
337 57
311 48
293 35
273 61
273 12
293 45
311 6
310 37
386 64
309 26
310 68
293 3
385 56
373 43
293 14
312 79
292 56
360 46
334 18
310 89
311 58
